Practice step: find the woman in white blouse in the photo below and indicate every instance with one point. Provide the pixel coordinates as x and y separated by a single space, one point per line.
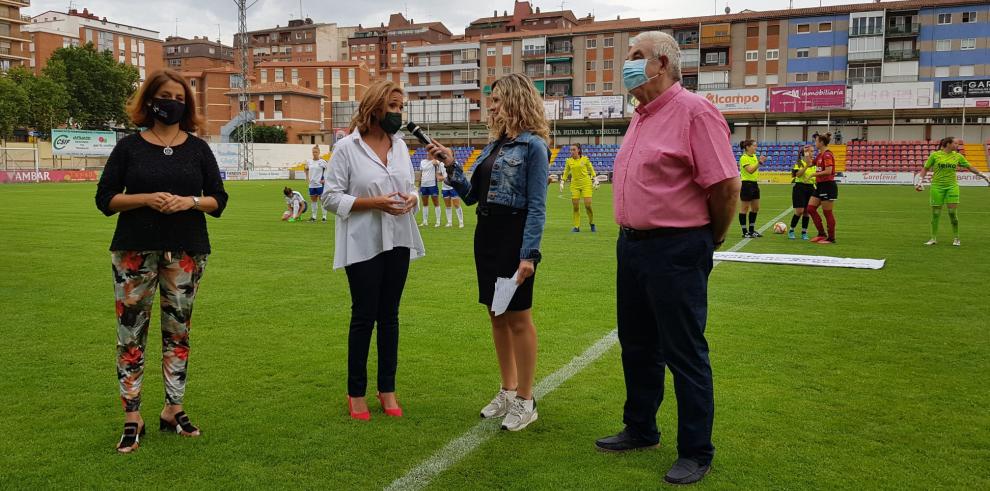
371 189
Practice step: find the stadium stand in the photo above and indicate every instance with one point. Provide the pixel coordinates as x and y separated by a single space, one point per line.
602 157
889 156
780 155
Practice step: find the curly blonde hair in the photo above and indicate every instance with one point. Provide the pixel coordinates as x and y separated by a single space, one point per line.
373 105
521 110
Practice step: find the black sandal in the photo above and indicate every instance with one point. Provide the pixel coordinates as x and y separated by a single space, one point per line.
182 426
131 439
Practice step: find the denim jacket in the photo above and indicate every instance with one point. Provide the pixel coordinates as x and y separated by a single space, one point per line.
519 180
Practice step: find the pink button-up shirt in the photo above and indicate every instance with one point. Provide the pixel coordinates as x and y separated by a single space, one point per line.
676 147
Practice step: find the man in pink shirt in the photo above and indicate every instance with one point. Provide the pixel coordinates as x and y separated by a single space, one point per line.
675 189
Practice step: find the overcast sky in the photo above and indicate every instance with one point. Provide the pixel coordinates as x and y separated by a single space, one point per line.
213 17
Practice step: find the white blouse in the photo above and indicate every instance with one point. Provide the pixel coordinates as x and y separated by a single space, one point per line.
357 172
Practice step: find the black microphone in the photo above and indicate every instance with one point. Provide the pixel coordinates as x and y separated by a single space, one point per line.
422 137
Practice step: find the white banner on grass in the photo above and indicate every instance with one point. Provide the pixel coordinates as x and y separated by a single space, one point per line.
800 260
904 178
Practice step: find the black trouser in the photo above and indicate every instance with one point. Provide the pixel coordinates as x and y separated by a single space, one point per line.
376 289
662 305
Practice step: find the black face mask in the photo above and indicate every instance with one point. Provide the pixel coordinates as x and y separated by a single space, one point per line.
168 111
392 123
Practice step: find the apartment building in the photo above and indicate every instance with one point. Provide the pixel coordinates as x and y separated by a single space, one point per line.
383 48
442 82
302 40
13 42
51 30
198 53
524 18
210 87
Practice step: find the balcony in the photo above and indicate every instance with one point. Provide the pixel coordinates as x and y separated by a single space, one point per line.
719 39
9 54
461 85
690 84
16 3
865 55
900 78
903 30
410 68
20 19
902 55
859 33
715 86
864 80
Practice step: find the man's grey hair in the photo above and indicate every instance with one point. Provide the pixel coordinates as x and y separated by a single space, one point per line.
661 44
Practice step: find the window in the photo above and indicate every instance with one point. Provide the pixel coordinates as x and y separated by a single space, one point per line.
943 45
506 70
299 49
395 46
607 86
591 43
802 53
715 58
589 87
172 62
608 43
491 51
966 70
753 31
824 27
967 44
752 79
773 54
752 55
803 28
772 79
295 76
309 48
824 76
607 65
801 77
968 17
264 76
941 71
507 50
278 105
319 78
866 26
279 75
944 19
825 51
589 65
491 71
773 30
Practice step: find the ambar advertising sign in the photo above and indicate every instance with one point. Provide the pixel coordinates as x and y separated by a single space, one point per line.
82 143
807 98
974 93
737 101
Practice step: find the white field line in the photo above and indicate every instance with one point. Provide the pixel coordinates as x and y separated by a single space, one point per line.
420 476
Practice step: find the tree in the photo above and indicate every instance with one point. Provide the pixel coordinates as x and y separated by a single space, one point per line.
48 101
97 86
13 100
262 134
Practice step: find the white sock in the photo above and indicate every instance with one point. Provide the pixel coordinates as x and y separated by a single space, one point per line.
426 212
295 209
438 211
450 216
323 208
313 206
460 215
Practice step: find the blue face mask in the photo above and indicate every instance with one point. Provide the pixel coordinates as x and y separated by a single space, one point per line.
634 73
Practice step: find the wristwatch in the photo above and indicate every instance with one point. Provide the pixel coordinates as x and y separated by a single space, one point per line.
195 202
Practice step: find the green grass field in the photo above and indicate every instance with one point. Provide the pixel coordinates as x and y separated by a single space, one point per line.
825 378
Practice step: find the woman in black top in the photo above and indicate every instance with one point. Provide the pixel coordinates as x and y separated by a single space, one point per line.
161 181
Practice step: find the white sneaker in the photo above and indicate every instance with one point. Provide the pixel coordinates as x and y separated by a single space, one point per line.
956 242
931 242
449 224
461 225
500 404
522 412
423 224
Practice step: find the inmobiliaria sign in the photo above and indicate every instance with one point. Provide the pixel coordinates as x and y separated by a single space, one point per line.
807 98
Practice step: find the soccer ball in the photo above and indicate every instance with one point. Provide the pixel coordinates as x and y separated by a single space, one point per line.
779 227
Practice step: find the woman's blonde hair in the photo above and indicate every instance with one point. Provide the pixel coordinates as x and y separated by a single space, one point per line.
521 110
373 105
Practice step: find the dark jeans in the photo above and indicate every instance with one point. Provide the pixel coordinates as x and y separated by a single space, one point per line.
376 288
662 305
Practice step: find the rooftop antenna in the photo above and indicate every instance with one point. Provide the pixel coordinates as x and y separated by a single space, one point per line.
219 35
300 9
176 27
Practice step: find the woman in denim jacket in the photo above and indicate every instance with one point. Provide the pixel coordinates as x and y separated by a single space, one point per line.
509 185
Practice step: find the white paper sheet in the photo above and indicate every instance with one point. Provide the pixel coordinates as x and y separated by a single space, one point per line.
505 288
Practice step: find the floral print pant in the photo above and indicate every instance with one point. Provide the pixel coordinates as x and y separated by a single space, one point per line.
136 275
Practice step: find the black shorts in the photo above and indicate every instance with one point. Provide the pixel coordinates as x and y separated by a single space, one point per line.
750 191
497 241
827 191
801 193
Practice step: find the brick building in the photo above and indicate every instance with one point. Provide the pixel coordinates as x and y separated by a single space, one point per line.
383 48
198 53
524 18
13 41
302 40
130 45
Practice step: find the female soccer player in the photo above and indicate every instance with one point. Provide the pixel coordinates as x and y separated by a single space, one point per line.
945 188
582 175
296 203
826 190
428 170
749 195
803 174
450 197
316 170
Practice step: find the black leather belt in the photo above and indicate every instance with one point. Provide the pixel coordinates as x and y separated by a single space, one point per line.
633 234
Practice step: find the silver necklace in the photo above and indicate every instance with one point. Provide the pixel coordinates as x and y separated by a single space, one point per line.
168 147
